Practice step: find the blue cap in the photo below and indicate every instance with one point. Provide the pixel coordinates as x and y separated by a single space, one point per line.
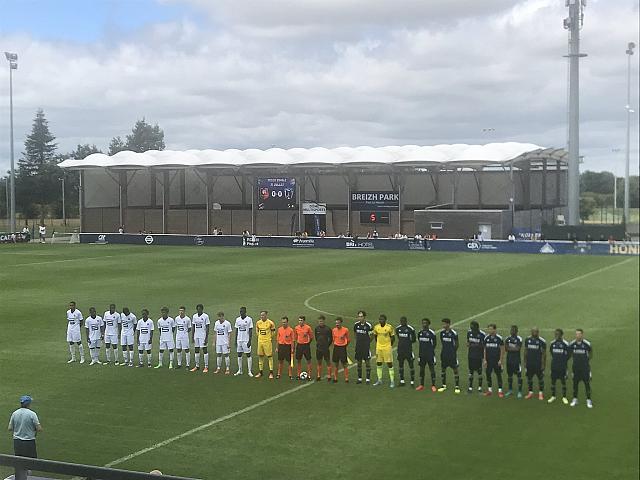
25 399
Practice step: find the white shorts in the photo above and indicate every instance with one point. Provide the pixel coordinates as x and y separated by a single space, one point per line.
199 342
182 343
73 335
112 339
242 347
95 343
126 339
144 346
167 344
223 349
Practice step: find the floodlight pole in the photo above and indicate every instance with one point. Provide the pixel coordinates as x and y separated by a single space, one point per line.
629 52
64 214
574 23
6 192
12 58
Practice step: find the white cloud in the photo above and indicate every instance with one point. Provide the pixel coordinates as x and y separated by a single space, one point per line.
292 73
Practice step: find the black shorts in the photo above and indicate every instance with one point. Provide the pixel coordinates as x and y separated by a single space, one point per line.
582 375
534 370
513 369
431 361
323 355
363 353
340 354
405 356
475 364
447 361
303 350
558 374
493 367
284 352
25 448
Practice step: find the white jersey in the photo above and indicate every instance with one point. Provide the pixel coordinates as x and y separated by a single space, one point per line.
223 332
200 323
111 321
74 319
93 326
183 325
243 325
165 326
128 323
144 330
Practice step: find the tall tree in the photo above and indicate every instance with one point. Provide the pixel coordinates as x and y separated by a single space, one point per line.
116 145
39 146
145 137
83 151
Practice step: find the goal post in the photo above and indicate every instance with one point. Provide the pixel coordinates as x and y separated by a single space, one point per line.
65 238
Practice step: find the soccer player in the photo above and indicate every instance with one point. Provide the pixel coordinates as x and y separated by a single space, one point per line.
581 352
363 330
223 343
385 338
493 355
406 338
95 331
284 346
449 354
144 330
427 341
324 338
128 322
183 329
244 334
265 329
340 336
559 350
111 320
167 328
302 344
200 337
74 337
475 344
535 359
513 347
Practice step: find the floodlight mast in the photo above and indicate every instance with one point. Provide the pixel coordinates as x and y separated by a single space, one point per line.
12 58
629 52
574 23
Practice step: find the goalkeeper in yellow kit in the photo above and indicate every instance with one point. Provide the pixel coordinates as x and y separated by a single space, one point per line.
265 329
385 337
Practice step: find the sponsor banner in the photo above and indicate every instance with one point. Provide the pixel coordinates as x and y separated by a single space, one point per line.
19 237
374 201
418 244
303 242
313 208
360 244
626 248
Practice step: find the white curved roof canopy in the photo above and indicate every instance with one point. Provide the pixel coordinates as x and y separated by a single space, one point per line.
413 156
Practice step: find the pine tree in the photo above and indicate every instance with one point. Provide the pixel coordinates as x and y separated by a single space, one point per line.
116 145
40 148
145 137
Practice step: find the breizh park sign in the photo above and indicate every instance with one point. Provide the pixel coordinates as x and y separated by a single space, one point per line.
375 200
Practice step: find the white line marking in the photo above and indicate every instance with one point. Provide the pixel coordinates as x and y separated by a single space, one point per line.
59 261
300 387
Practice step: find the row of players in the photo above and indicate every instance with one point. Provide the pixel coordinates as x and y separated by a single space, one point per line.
486 350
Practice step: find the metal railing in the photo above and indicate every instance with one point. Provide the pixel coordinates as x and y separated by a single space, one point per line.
22 465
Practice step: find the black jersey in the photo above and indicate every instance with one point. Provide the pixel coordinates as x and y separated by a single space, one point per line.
324 337
449 342
492 346
580 353
406 338
363 335
535 348
427 341
476 343
513 347
559 350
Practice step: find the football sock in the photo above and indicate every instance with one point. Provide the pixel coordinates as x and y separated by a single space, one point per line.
72 351
443 376
329 371
412 372
433 375
299 369
346 374
219 361
81 348
319 370
279 368
249 363
227 362
587 389
187 358
480 381
197 355
179 358
379 372
470 380
108 352
270 364
489 382
260 364
290 370
510 381
206 360
530 383
541 383
564 387
519 382
392 374
553 388
160 355
368 372
500 381
422 375
309 369
335 372
359 369
141 357
457 378
401 370
171 357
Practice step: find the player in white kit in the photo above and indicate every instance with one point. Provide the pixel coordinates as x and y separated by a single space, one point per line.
111 320
128 323
223 340
166 327
201 324
95 332
183 329
244 332
74 337
144 329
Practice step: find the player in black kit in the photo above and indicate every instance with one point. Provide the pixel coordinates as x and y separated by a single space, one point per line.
427 344
363 330
535 359
493 353
581 352
406 338
559 350
449 354
475 344
513 347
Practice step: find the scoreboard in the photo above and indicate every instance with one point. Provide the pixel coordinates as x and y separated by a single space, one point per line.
276 193
381 218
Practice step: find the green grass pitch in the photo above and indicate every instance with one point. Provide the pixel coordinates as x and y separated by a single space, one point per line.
99 414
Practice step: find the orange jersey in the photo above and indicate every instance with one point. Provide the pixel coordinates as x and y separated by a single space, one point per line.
340 336
285 336
304 334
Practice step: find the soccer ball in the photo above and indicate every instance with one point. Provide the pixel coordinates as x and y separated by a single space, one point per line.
304 376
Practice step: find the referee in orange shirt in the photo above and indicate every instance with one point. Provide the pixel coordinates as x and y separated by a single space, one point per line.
302 338
284 345
340 342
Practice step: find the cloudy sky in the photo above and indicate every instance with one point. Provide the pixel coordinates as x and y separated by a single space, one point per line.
257 73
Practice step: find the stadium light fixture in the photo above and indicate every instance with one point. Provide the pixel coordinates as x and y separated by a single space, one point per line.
630 111
12 58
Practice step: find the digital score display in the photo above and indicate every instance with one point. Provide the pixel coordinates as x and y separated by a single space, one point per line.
276 193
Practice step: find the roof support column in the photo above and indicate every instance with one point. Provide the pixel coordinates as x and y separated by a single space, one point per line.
478 179
436 185
208 197
123 197
543 197
456 179
526 185
166 189
153 185
301 196
81 199
558 180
